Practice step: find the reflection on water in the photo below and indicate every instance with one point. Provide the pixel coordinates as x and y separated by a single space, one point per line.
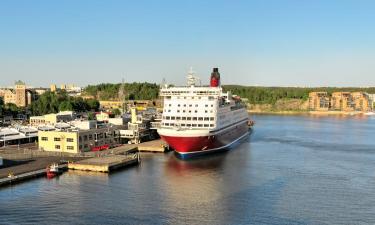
292 170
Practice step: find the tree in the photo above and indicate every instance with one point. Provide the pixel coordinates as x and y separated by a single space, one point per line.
116 112
65 106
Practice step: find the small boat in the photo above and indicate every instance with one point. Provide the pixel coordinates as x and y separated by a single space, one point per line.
53 170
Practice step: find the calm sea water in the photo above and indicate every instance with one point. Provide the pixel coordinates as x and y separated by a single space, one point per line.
292 170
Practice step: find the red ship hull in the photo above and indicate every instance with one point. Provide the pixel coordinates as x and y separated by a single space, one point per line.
197 145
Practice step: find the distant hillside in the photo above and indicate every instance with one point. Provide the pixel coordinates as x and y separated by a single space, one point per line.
270 95
275 98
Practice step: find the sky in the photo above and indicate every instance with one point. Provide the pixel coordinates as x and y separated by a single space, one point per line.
253 42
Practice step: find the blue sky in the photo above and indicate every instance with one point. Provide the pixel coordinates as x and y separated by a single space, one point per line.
265 42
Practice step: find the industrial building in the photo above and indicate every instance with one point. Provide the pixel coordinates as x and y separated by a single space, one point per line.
52 118
83 136
19 135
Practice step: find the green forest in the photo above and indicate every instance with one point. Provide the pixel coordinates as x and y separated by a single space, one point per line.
132 91
270 95
51 102
255 95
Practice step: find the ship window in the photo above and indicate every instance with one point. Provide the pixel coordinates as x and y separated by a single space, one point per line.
178 105
212 105
166 124
200 118
196 111
194 118
194 125
200 125
184 105
206 105
188 118
170 104
172 124
189 125
211 125
211 98
172 117
184 97
183 118
169 110
189 111
183 111
206 118
57 146
212 118
178 111
199 97
196 105
178 118
206 125
183 125
190 105
168 117
205 111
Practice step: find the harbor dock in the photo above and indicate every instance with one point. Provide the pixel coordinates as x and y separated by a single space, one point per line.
26 176
105 164
153 146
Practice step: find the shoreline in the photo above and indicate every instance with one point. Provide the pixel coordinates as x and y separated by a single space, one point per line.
319 113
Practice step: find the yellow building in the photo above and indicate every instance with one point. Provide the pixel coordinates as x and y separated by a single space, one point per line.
53 87
111 104
318 101
102 116
342 101
74 140
52 118
361 101
19 96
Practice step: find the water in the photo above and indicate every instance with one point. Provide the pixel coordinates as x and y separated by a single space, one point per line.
292 170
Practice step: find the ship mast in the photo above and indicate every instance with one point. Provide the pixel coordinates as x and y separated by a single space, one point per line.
191 78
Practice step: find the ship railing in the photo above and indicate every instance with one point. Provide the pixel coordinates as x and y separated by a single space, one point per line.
155 125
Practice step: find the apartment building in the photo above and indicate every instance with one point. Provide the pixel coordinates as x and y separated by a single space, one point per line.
319 101
361 101
19 95
342 101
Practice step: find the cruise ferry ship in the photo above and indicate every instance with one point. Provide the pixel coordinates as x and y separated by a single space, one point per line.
202 119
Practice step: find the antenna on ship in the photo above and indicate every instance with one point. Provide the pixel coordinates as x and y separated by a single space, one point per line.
191 78
163 83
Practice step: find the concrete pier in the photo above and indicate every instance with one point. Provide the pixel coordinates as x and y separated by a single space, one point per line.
153 146
105 164
27 176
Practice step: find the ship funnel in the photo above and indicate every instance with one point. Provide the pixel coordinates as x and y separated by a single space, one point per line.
215 78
